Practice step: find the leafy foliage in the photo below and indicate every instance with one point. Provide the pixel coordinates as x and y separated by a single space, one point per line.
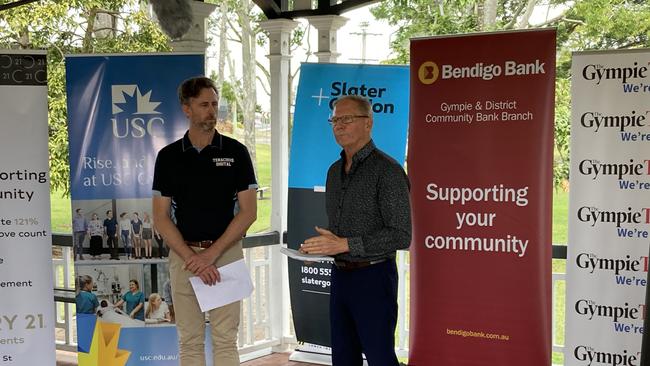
581 25
72 27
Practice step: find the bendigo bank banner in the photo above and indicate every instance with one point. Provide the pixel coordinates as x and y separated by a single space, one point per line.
480 164
609 208
122 109
313 150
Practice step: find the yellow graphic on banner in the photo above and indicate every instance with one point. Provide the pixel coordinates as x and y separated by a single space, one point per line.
428 72
103 348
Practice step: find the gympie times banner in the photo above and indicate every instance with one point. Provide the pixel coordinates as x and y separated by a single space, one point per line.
480 164
313 150
122 109
26 296
609 208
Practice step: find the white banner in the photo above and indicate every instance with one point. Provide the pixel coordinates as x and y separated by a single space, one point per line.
26 294
609 208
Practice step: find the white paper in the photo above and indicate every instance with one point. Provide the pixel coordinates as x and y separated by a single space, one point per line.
235 285
292 253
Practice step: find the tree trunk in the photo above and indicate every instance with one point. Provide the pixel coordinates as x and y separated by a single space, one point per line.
489 15
523 22
23 38
223 50
248 80
88 36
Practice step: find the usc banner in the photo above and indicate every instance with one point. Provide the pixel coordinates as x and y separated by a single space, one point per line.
480 163
122 109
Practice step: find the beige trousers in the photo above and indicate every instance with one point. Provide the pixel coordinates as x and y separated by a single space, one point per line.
190 321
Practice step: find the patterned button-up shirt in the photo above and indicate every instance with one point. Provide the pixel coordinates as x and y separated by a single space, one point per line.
369 205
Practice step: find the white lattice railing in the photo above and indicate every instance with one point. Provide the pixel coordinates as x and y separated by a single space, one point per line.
261 331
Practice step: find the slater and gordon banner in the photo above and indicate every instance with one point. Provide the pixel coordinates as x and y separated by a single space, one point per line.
313 150
26 295
122 109
609 207
480 163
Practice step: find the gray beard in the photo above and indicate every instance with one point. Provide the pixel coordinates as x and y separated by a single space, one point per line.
174 16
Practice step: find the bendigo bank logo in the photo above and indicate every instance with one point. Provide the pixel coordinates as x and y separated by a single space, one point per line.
595 357
429 71
591 309
598 72
134 114
595 168
594 215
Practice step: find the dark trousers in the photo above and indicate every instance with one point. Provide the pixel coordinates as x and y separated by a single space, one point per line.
111 242
161 248
363 315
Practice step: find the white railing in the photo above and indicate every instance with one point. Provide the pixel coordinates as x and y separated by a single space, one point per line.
559 281
65 324
260 332
403 290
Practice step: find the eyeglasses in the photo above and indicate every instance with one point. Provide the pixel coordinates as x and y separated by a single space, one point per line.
345 120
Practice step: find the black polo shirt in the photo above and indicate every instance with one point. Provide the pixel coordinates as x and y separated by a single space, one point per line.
203 185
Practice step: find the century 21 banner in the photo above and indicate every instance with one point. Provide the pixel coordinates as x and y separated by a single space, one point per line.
27 316
480 164
609 208
121 111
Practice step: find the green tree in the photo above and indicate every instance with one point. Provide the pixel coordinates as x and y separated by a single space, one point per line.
581 25
71 27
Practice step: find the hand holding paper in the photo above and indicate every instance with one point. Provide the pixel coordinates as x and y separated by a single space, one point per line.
235 285
292 253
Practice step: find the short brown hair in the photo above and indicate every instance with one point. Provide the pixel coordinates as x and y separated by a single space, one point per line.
192 87
363 104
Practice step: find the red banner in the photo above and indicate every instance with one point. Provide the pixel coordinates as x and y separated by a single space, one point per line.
481 164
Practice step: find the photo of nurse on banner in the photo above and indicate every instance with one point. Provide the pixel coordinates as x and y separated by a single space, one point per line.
132 295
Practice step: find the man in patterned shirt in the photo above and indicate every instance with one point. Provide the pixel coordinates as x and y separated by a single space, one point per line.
369 217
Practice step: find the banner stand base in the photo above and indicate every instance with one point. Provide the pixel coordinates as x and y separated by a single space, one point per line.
314 357
311 357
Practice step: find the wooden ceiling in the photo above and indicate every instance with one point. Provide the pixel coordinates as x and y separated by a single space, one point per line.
275 9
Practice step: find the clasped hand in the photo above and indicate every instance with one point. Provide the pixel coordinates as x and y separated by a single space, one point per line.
202 265
325 244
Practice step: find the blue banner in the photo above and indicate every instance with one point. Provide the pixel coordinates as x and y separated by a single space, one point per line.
121 111
313 150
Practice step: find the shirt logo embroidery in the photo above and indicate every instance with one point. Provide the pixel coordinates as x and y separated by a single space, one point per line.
223 161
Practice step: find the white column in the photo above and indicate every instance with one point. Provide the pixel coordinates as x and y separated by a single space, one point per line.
327 26
195 39
279 57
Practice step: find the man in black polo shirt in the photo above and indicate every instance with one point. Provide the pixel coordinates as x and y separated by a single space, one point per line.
369 218
204 200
